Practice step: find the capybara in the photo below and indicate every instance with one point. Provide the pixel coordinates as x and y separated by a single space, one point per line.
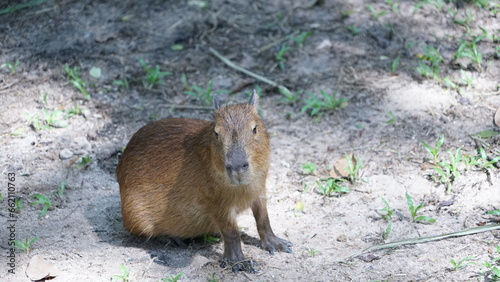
186 178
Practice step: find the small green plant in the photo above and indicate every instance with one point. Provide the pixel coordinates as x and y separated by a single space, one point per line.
290 97
44 201
205 96
428 64
123 83
301 38
154 76
434 151
469 50
279 57
47 119
317 106
462 263
392 118
62 188
388 210
173 278
84 162
125 276
209 239
449 172
354 165
213 278
19 204
485 162
395 63
76 80
469 162
309 168
25 245
376 14
394 6
494 212
331 186
494 267
414 210
11 66
312 252
437 4
353 30
74 111
1 197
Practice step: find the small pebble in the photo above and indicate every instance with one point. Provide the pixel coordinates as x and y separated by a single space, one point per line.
65 154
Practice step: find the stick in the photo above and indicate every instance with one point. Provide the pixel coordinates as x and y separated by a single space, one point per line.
254 75
426 239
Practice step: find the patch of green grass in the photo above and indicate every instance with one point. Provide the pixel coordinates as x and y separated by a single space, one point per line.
311 252
204 95
463 263
122 83
316 106
309 168
493 265
353 30
14 8
331 186
469 50
84 162
301 38
11 66
448 171
428 64
44 201
434 151
486 162
375 14
173 278
25 245
46 119
154 76
125 275
76 80
291 97
353 168
280 56
209 239
414 211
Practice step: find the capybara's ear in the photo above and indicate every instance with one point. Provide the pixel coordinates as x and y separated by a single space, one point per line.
254 100
217 102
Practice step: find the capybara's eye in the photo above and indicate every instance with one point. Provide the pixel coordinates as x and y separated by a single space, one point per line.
254 130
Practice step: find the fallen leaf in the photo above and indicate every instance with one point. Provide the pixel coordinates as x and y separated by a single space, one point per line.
496 118
39 269
340 168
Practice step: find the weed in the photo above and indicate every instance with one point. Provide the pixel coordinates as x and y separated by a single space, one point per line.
290 97
326 102
469 18
173 278
309 168
494 267
392 118
485 161
469 162
42 200
209 239
395 64
387 231
449 172
125 276
353 30
462 263
1 197
331 186
299 39
469 50
18 202
73 111
26 245
388 210
213 278
84 162
394 6
123 83
205 96
62 188
312 252
47 119
374 13
414 210
494 212
11 66
154 76
437 4
279 57
353 168
77 81
434 151
428 64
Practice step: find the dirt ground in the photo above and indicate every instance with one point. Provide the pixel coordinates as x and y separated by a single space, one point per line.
82 234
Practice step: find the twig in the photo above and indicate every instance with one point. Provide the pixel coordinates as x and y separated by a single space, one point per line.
270 45
254 75
426 239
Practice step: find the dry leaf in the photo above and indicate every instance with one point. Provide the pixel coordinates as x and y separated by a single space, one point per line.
39 269
340 168
496 118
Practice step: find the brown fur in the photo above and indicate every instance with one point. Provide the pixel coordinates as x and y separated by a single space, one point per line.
175 179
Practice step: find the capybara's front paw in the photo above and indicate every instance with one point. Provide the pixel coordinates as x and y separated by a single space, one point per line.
274 243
